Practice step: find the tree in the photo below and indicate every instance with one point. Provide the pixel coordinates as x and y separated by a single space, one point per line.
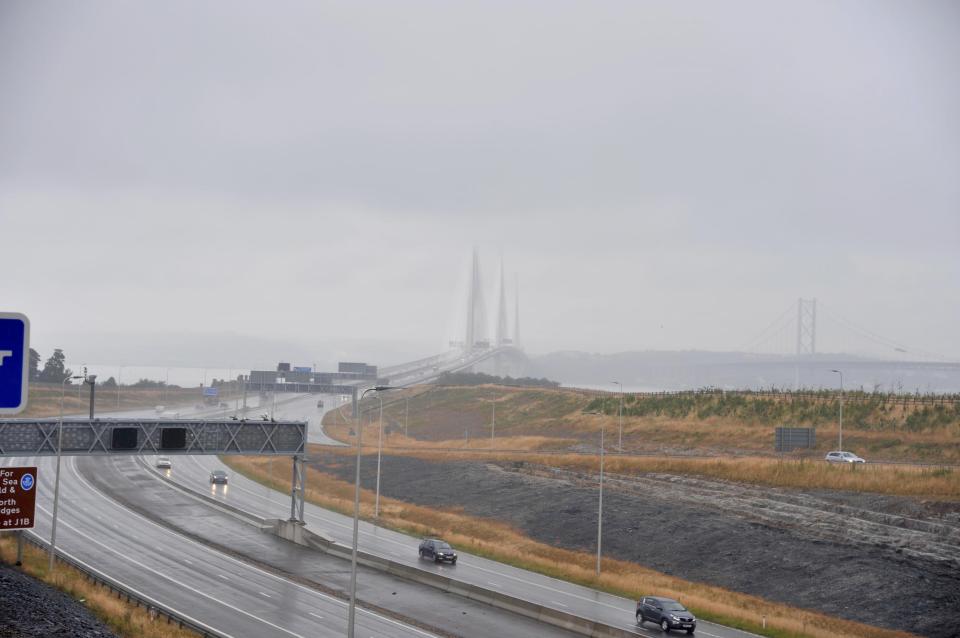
34 365
109 383
54 370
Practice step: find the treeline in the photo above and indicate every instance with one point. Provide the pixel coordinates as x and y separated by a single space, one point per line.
861 410
479 378
55 371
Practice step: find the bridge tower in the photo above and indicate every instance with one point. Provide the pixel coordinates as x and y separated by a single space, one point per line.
501 338
476 316
806 334
806 327
516 311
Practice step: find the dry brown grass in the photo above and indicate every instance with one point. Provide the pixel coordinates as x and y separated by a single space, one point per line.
44 399
501 542
439 413
902 480
125 619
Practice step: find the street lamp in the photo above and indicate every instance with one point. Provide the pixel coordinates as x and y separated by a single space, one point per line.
600 505
493 416
352 610
56 481
119 379
376 505
620 435
840 444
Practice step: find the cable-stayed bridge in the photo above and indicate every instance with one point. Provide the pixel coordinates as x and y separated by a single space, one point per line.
809 338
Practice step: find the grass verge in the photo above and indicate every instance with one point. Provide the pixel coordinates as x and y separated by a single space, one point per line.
500 542
937 483
902 427
44 399
125 619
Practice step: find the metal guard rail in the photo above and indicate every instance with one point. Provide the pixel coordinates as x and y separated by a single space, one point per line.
133 596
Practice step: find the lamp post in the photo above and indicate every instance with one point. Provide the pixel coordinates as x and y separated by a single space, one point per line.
376 503
119 379
493 416
840 444
92 380
600 502
56 481
352 609
620 435
600 506
406 416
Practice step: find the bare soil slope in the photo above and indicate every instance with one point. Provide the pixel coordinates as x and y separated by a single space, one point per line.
858 556
29 608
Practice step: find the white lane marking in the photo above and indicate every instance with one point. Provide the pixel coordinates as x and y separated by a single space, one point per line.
381 539
553 602
322 518
490 582
163 575
130 588
265 594
188 561
223 577
315 615
370 615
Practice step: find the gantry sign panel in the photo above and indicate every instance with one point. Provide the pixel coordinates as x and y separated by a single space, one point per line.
38 437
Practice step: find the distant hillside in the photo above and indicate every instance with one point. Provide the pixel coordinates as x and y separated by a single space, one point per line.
688 370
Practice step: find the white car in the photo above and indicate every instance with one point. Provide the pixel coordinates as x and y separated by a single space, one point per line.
843 457
164 463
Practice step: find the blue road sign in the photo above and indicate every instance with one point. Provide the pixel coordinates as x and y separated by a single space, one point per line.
26 481
211 392
14 361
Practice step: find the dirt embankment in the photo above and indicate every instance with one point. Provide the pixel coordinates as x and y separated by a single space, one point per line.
29 609
851 555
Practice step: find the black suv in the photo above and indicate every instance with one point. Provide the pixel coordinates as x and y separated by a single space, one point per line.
667 613
437 550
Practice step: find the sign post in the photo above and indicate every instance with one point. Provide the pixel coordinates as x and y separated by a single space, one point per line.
14 362
18 497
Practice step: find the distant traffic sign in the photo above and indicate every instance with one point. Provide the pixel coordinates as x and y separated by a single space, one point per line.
14 361
17 497
211 392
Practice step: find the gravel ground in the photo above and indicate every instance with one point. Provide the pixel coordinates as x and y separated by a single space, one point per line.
851 555
31 609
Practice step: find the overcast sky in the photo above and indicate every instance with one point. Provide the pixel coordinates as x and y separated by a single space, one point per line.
662 175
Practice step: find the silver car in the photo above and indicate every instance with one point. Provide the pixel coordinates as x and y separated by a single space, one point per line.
843 457
164 463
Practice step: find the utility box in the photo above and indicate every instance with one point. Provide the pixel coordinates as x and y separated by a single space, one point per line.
789 439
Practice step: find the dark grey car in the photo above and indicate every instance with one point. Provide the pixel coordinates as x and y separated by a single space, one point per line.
438 551
218 476
666 612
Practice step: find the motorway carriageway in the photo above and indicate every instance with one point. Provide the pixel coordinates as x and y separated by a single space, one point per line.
193 472
215 589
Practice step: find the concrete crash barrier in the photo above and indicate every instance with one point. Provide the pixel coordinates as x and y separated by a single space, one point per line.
296 533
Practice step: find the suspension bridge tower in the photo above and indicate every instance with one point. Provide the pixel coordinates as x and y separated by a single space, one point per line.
806 333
